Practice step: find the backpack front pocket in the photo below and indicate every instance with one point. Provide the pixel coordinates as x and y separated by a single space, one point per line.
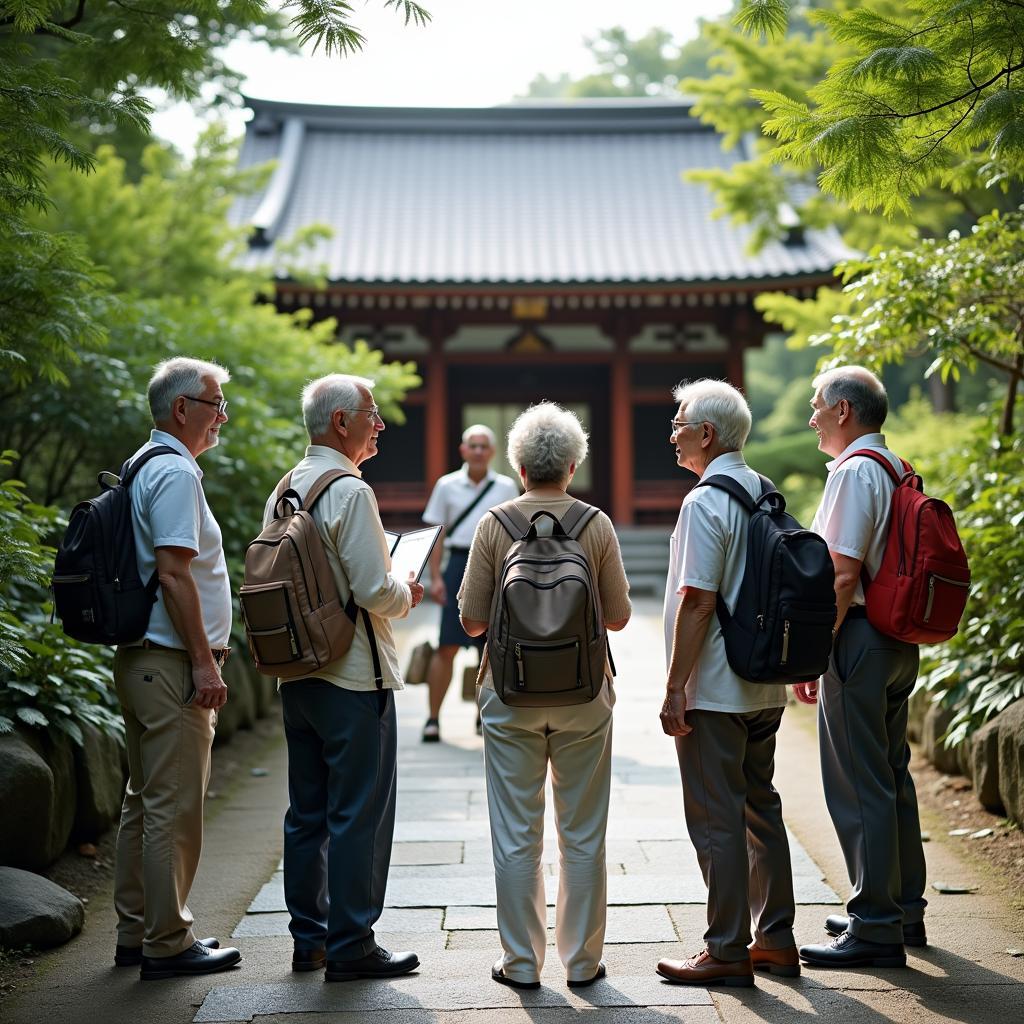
269 612
805 632
546 666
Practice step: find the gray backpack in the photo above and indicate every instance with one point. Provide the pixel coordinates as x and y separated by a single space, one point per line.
546 640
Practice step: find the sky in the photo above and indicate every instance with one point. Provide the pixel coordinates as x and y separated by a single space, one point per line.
473 53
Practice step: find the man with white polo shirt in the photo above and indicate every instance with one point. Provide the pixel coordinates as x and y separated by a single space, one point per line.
458 502
725 726
862 699
170 684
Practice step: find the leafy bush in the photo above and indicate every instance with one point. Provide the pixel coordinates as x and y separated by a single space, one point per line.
981 670
47 681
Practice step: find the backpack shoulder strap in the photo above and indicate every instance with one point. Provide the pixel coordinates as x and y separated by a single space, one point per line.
129 474
320 485
284 485
878 457
516 525
733 488
576 518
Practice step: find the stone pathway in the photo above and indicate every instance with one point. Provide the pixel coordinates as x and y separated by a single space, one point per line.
441 898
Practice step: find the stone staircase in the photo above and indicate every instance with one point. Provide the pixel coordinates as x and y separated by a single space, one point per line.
645 556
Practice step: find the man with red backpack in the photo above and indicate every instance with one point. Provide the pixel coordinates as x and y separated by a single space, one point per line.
862 698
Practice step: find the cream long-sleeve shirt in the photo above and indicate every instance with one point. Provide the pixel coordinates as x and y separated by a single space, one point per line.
349 523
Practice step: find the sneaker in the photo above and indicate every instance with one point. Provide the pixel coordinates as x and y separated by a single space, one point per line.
432 731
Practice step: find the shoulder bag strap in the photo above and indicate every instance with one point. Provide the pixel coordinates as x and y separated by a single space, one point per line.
469 508
878 457
128 473
322 482
733 488
516 525
576 518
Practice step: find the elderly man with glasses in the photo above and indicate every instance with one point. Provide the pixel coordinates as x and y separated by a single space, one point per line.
169 683
340 725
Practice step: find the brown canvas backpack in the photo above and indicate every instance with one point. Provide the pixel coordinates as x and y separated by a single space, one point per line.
294 619
546 639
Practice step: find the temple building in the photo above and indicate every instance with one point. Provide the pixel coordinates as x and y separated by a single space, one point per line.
524 252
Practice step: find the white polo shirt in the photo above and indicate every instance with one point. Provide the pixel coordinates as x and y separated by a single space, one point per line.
454 492
708 550
853 516
169 509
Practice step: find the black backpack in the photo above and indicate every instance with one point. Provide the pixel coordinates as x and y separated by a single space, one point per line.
781 629
546 638
97 592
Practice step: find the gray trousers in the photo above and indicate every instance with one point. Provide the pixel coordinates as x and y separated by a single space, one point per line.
341 813
734 817
862 730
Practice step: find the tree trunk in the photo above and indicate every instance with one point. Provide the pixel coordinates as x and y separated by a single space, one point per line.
1006 423
942 393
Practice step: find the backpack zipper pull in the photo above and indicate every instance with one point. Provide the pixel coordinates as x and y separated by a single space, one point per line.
760 622
520 670
785 641
931 598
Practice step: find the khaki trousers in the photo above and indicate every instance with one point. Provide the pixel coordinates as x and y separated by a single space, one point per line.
519 744
161 831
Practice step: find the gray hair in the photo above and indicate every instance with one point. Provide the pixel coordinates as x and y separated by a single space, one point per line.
479 428
860 387
323 396
180 376
721 405
545 440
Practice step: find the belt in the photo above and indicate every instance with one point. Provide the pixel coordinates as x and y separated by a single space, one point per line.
220 654
856 611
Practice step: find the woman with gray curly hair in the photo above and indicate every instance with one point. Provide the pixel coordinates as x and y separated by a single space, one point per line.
545 446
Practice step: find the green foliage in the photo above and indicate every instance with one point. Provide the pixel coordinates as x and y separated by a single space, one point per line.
46 680
981 670
651 65
956 299
918 91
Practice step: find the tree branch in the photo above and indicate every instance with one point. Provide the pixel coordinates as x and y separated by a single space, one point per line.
956 99
76 17
983 357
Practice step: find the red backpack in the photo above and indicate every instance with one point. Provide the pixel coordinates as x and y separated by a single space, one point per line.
920 590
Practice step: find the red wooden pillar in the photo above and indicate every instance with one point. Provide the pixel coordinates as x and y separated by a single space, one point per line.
622 483
436 440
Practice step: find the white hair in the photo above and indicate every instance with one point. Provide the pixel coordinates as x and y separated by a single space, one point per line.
860 387
721 405
546 440
323 396
180 376
479 428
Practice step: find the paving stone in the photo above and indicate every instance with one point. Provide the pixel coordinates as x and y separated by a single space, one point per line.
668 827
426 853
243 1002
392 921
625 924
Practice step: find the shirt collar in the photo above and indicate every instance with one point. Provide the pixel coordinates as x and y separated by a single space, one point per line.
322 451
162 437
727 460
864 441
489 475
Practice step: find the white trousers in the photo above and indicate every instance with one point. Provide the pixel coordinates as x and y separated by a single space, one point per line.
519 744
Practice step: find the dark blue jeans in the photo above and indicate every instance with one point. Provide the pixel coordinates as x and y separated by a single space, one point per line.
341 814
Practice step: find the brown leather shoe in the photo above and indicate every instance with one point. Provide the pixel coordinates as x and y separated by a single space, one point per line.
782 962
704 969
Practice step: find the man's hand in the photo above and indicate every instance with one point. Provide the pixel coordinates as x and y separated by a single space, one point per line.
673 714
806 692
211 690
438 591
416 589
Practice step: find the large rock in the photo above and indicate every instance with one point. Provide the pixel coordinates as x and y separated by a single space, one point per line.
36 912
37 795
936 722
984 751
100 782
1011 760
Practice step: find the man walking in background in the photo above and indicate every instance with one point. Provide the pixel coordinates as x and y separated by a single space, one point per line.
862 704
169 684
457 503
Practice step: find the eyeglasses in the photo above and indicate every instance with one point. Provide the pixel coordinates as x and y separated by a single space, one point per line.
373 412
678 425
221 405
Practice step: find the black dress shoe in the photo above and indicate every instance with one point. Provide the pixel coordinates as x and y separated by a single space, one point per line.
499 975
309 959
197 959
913 934
847 950
131 956
601 972
378 964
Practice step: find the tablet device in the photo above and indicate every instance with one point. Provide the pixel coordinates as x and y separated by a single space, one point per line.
410 551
